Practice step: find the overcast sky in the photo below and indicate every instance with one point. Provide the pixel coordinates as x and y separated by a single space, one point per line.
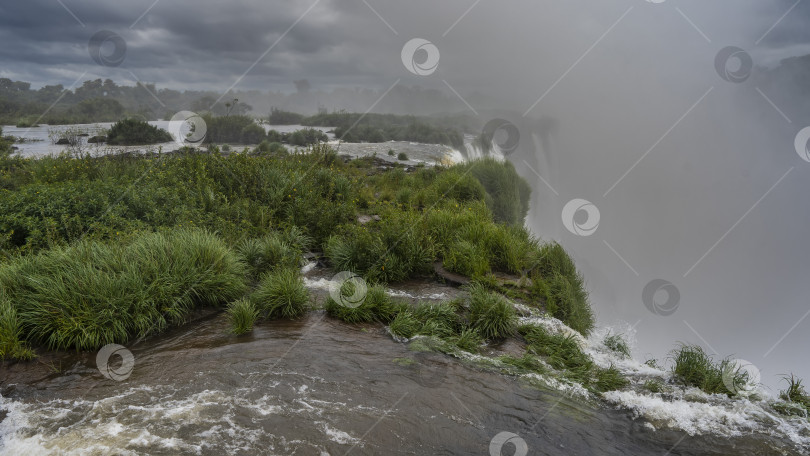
695 177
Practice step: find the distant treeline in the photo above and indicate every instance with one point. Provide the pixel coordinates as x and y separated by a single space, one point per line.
104 101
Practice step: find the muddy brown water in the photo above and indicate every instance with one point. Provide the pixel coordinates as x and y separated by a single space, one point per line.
314 386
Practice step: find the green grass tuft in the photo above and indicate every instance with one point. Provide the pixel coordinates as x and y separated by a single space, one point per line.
11 345
616 343
281 294
405 325
693 367
269 252
561 352
491 314
242 314
653 386
468 340
609 379
795 392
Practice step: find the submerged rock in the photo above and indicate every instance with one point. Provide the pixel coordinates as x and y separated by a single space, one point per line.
97 139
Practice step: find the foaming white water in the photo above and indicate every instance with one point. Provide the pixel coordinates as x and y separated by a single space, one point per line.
688 409
326 284
169 419
474 151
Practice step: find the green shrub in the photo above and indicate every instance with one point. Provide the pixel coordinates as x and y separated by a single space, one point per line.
129 132
281 294
242 314
238 129
305 137
279 117
402 156
252 134
271 147
491 314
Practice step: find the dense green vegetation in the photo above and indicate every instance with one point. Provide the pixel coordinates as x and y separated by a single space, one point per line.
279 117
377 128
113 248
93 293
131 132
244 130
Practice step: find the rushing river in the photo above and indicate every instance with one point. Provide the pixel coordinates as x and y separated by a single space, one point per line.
316 386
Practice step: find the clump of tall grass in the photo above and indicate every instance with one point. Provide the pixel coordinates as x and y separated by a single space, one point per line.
558 282
693 367
93 294
795 392
491 314
468 258
609 379
281 294
405 325
11 345
616 343
375 305
527 362
468 340
242 315
276 250
561 351
393 250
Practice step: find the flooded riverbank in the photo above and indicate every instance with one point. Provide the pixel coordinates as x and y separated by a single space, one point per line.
320 386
